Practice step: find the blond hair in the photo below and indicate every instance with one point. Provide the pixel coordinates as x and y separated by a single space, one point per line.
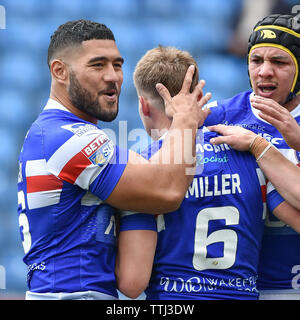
166 65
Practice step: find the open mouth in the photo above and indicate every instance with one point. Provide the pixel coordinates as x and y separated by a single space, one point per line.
267 88
110 93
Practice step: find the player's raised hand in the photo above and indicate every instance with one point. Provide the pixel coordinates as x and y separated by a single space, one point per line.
237 137
202 101
185 101
279 117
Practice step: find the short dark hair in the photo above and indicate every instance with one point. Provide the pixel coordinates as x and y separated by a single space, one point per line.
74 33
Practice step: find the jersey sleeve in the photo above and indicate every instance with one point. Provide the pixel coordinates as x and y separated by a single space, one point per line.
137 221
91 161
141 221
273 197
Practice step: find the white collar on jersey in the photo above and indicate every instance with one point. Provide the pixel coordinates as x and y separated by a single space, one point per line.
53 104
294 113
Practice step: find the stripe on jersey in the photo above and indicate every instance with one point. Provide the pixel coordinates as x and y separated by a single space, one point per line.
43 188
289 154
43 183
71 162
263 187
74 167
68 150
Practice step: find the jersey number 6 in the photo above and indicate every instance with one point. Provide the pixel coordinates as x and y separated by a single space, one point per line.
203 240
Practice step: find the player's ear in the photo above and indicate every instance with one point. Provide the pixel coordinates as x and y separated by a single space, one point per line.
59 71
144 106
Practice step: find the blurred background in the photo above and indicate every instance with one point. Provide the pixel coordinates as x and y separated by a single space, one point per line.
215 32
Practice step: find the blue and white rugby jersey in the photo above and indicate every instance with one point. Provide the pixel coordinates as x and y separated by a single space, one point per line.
68 167
209 247
279 266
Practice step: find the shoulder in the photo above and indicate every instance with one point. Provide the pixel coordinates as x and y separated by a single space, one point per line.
229 110
64 133
242 97
71 144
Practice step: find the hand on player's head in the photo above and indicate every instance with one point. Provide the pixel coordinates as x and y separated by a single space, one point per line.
185 101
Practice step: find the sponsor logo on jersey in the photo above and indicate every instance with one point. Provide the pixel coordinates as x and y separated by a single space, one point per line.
204 284
206 152
79 128
94 145
99 150
251 126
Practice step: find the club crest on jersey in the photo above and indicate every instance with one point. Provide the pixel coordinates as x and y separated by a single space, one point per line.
100 150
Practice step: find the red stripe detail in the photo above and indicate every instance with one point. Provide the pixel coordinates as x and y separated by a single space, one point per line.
264 193
74 167
43 183
298 164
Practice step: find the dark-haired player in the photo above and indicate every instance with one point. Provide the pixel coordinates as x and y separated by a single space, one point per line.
273 64
70 170
209 247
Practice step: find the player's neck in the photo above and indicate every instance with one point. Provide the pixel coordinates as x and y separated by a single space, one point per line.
291 105
65 101
161 126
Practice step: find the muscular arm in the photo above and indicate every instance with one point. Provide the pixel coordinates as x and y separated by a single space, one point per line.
284 175
288 214
153 185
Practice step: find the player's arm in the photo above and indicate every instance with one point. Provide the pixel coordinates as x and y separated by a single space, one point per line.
284 175
289 215
281 209
136 249
157 185
280 118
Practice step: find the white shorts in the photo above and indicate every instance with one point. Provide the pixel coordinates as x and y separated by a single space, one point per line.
279 294
84 295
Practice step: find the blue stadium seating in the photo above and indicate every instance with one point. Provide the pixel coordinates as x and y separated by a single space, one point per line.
201 27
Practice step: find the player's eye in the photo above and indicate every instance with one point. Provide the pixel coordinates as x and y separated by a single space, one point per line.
279 62
256 60
98 64
118 65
